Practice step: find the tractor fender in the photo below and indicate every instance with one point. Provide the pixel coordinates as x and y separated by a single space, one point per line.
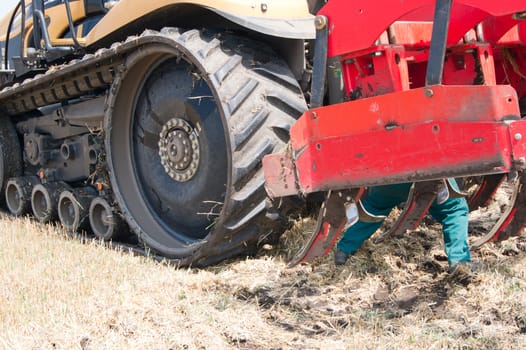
295 28
285 19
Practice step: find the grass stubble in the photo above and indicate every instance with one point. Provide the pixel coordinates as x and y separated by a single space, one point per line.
57 292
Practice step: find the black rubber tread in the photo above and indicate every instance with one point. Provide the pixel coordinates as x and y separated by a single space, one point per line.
10 155
73 79
242 74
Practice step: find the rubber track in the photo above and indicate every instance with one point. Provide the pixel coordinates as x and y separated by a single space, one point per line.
11 155
231 65
260 100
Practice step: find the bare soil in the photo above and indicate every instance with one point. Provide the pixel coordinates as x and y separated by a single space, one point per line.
60 293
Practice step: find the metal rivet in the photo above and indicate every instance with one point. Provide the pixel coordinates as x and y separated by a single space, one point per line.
518 136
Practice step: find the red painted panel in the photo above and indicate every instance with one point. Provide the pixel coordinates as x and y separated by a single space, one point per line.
355 25
447 103
414 135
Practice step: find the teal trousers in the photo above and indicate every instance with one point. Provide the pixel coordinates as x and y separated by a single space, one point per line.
452 214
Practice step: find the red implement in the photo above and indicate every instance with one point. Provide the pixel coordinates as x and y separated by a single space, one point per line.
415 135
431 90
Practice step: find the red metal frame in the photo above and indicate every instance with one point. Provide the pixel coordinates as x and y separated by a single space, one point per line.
396 130
356 25
420 134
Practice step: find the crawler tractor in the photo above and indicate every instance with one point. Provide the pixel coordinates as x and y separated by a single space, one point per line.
201 126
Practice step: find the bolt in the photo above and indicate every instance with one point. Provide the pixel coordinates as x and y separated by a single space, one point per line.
429 92
518 136
320 22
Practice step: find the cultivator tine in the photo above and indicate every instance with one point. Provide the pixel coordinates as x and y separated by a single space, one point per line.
332 220
366 216
513 220
485 191
420 198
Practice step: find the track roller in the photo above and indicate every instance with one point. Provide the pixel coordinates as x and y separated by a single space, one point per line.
44 200
105 222
73 208
18 194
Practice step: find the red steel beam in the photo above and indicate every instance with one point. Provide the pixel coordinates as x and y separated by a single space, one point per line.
356 25
415 135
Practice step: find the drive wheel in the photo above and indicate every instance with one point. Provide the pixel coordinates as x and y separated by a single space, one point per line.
188 124
10 155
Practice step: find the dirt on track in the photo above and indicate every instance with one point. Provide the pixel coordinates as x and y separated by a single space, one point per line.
58 293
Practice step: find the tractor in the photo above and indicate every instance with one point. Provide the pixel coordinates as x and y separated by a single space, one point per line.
201 128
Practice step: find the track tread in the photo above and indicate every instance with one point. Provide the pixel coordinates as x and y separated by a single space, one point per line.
11 155
209 48
243 131
241 95
248 158
258 101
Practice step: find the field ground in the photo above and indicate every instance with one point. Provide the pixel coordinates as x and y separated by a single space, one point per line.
60 293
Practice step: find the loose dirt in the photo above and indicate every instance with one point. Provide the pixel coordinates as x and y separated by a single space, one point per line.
60 293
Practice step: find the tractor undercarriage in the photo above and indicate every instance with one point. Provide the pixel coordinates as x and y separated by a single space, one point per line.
190 139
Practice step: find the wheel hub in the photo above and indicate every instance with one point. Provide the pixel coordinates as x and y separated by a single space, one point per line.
32 150
179 149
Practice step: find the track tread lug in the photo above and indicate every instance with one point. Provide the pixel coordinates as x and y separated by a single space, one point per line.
249 158
241 95
248 127
209 48
222 73
235 224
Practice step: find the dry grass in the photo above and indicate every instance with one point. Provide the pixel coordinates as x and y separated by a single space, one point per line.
59 293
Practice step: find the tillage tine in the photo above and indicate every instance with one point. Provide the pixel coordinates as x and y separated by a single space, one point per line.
420 198
512 221
332 220
485 191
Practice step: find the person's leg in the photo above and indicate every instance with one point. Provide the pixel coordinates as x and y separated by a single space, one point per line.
453 215
380 200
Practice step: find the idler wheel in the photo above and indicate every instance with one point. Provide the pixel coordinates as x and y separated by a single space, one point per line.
18 194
